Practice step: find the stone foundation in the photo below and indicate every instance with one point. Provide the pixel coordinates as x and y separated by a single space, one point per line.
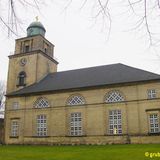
87 140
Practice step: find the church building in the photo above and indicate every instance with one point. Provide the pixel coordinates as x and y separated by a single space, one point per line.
98 105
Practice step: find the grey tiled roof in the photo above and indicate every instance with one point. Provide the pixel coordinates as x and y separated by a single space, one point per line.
88 77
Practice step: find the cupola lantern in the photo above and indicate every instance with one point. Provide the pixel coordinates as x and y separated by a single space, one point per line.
36 28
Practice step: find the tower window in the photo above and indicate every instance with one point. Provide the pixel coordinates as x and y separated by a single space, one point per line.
45 50
45 47
22 79
26 48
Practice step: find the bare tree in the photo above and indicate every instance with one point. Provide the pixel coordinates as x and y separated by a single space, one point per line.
2 92
144 15
9 16
2 97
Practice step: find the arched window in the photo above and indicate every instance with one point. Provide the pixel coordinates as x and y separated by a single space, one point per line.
22 79
41 103
114 96
76 100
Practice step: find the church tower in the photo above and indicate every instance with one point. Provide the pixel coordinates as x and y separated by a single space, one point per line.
32 60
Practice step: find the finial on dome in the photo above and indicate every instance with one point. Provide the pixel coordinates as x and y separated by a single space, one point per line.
37 18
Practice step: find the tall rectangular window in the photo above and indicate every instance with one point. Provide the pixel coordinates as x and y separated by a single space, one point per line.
14 128
154 123
151 93
75 124
41 125
115 122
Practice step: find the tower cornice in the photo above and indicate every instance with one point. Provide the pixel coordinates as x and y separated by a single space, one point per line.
30 37
34 52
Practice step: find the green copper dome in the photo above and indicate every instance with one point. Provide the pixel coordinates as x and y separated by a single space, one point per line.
36 28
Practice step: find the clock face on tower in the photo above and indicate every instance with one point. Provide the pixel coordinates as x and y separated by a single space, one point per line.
23 61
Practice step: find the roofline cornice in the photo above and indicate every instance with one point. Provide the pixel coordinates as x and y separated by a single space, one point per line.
84 88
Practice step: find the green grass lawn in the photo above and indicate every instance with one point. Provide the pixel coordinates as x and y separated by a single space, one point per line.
107 152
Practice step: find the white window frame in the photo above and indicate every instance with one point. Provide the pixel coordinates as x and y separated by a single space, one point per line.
41 125
41 103
151 93
113 97
76 100
14 128
115 122
154 123
15 105
76 124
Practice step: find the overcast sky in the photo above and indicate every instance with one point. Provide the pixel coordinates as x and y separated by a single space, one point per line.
80 42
